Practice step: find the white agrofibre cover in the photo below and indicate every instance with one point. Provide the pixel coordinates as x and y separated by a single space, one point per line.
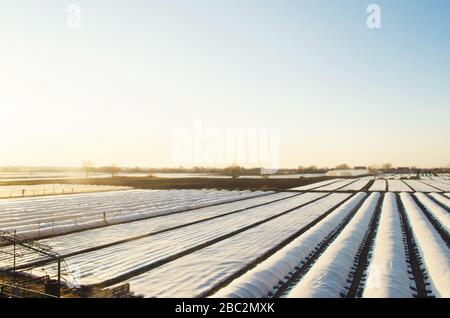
262 279
119 259
421 186
388 271
356 186
315 185
198 272
378 185
438 212
50 216
336 185
92 238
398 186
441 199
435 253
328 276
439 185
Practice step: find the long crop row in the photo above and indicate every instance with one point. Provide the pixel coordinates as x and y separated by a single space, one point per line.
108 263
43 217
388 271
435 253
316 185
328 277
421 186
78 242
336 185
378 185
398 186
197 273
264 279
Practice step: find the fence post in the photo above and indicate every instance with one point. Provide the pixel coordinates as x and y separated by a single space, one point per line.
59 277
14 262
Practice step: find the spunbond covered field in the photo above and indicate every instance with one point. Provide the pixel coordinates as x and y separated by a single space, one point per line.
337 238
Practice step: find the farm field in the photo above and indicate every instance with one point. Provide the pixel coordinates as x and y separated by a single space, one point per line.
55 215
328 239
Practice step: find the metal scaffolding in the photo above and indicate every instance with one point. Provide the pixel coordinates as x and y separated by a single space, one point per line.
20 275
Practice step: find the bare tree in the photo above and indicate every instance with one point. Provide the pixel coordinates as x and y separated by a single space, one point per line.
113 170
87 167
342 166
234 171
373 168
310 169
386 166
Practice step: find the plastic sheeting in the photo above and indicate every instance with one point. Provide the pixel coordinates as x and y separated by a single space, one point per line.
438 212
328 276
388 271
432 248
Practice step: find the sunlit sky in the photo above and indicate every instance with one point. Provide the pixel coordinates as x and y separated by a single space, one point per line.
116 89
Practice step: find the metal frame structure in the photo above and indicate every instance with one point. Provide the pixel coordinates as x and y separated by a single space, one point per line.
16 279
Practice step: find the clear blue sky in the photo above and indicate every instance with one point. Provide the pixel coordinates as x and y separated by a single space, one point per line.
116 89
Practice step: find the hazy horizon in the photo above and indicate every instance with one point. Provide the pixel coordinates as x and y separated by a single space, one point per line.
116 89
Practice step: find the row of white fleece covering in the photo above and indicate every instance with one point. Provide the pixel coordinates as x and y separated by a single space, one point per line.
378 185
388 271
328 277
434 251
102 264
41 217
262 280
315 185
398 186
421 186
336 185
440 185
356 186
197 273
442 199
75 242
439 213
